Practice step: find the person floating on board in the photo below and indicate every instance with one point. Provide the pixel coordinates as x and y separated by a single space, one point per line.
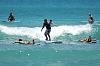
48 29
11 17
88 40
20 41
90 19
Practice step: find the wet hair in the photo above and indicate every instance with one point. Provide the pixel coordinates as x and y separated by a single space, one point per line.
50 20
10 13
45 20
33 41
20 39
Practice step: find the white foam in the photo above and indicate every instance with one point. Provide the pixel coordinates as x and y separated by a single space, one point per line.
36 31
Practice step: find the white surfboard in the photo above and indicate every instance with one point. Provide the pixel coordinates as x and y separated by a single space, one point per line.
12 21
55 42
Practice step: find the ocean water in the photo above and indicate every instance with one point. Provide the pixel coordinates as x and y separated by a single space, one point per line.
70 25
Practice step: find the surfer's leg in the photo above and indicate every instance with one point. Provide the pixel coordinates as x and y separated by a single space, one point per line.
46 34
49 35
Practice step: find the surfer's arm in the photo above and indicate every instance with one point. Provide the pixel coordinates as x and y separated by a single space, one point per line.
42 27
53 24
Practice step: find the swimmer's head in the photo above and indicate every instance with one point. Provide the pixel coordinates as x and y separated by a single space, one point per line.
20 39
45 20
50 21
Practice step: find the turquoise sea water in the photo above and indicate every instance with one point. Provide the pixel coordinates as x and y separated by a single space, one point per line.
70 19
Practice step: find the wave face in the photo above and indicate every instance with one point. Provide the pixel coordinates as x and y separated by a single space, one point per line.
55 32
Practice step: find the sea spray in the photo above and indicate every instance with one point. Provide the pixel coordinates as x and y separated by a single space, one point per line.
37 34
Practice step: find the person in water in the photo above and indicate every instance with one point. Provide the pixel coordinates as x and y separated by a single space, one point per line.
48 29
90 19
89 39
20 41
11 17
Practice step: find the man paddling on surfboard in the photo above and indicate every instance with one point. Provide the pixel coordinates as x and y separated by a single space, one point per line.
48 29
90 19
88 40
11 17
20 41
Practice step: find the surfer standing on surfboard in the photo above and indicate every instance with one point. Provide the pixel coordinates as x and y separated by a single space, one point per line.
48 29
90 19
11 17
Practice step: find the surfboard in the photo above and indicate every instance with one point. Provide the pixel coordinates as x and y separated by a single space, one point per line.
93 41
87 21
9 21
55 42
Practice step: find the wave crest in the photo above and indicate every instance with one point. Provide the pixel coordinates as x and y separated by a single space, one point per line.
37 34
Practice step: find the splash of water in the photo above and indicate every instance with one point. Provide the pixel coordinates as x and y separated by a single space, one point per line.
36 31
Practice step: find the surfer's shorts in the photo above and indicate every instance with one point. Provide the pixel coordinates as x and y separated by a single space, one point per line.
47 31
